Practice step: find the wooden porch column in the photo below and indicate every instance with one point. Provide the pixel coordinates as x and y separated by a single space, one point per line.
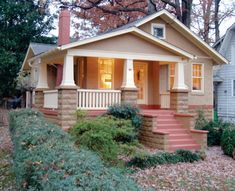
179 92
41 84
68 72
129 90
67 95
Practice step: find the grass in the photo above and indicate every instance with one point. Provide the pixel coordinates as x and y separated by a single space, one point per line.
7 177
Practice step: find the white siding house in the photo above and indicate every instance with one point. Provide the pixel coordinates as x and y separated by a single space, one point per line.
224 77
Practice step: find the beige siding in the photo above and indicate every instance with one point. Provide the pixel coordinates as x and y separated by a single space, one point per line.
126 43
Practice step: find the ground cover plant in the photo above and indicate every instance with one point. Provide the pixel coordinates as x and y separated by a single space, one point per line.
109 136
45 158
147 160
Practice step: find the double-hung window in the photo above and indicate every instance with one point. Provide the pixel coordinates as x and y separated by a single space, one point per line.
197 77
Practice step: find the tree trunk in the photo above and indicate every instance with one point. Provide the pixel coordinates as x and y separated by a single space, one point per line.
151 7
217 31
186 12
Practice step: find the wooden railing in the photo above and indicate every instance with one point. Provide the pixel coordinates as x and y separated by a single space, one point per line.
50 99
97 99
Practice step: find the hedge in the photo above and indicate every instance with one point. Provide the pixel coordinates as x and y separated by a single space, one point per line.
228 141
45 158
147 160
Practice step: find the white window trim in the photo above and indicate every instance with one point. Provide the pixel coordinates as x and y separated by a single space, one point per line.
232 90
112 73
203 79
159 26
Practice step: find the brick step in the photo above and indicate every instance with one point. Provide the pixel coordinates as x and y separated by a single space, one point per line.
167 121
188 141
169 126
169 117
180 136
173 131
184 146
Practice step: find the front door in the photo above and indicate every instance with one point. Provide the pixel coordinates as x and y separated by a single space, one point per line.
140 77
164 81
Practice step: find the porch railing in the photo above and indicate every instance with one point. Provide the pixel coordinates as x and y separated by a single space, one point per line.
98 99
51 99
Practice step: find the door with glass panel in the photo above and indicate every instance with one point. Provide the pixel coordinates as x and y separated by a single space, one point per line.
140 77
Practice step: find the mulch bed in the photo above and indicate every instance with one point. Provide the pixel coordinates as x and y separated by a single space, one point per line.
216 172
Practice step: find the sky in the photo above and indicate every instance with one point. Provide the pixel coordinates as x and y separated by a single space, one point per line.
223 28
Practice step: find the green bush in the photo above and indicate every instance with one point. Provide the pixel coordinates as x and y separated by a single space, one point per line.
215 131
45 159
126 111
104 135
146 160
228 141
201 121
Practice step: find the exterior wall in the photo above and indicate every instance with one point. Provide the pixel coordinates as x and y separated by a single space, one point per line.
204 99
124 43
51 76
174 37
225 100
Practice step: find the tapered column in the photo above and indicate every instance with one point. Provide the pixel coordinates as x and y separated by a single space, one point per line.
68 72
42 76
128 74
129 90
179 92
179 82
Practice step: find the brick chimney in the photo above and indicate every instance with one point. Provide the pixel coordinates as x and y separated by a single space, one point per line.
63 37
64 26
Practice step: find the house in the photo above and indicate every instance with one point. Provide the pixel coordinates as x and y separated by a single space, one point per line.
156 63
224 77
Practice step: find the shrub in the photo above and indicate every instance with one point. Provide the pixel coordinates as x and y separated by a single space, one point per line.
215 131
45 159
146 160
201 121
104 135
228 141
126 111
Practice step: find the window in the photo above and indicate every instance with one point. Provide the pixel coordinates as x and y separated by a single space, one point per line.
233 87
197 77
106 66
171 75
158 30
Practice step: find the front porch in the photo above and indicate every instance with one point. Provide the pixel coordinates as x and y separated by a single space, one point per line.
95 83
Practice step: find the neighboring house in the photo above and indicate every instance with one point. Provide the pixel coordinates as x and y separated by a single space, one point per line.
155 62
224 77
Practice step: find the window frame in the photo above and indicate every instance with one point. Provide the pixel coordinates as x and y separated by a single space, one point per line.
99 85
232 88
158 25
202 78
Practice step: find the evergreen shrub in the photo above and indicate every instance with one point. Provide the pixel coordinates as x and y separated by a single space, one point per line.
45 159
228 141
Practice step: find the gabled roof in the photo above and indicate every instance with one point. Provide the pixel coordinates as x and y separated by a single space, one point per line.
135 31
172 20
133 28
227 39
37 49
